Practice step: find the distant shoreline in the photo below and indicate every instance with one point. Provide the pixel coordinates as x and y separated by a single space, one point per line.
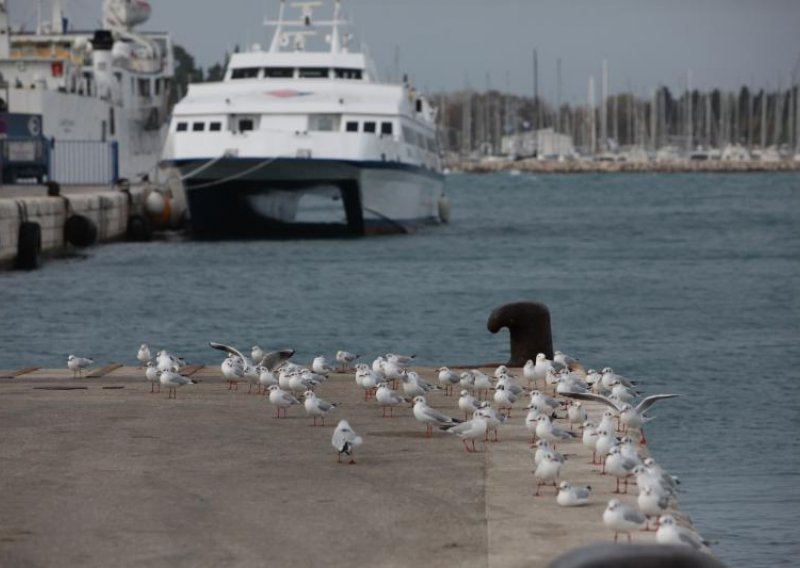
553 167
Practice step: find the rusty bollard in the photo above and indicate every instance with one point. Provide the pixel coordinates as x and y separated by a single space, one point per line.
528 324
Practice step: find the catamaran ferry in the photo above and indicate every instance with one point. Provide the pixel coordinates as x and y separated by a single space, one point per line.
295 142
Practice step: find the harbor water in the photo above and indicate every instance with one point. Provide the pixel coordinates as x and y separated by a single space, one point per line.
688 283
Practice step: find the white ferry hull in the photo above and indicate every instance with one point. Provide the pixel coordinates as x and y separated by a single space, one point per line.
236 197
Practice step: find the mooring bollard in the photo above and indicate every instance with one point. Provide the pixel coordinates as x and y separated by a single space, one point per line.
608 555
528 324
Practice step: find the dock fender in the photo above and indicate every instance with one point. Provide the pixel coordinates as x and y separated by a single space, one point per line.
139 229
528 325
80 231
29 246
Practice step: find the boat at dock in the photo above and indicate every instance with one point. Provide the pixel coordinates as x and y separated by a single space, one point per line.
302 142
102 95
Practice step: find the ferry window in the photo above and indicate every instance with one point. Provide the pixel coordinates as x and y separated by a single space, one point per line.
279 72
182 126
369 126
215 126
245 124
245 73
157 86
386 128
313 72
352 126
323 122
348 73
198 126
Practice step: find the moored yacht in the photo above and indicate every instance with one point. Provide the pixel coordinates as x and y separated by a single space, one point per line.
294 141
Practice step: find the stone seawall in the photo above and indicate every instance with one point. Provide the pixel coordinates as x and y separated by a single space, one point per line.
539 166
107 209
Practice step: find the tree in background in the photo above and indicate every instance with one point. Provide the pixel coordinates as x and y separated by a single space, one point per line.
185 72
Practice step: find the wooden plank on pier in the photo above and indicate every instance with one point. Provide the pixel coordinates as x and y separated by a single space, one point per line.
17 372
190 370
102 371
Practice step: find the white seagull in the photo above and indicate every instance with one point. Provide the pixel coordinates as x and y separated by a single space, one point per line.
345 440
448 379
623 519
388 398
281 399
430 416
573 495
172 381
669 532
469 430
547 472
151 373
317 407
320 366
143 356
78 364
345 358
468 404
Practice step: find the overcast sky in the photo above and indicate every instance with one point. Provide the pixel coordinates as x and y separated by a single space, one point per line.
445 44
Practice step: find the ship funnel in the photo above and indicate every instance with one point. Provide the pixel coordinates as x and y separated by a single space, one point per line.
102 44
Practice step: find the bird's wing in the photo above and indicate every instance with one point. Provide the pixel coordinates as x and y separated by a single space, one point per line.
595 397
651 400
227 348
633 516
436 415
274 359
582 493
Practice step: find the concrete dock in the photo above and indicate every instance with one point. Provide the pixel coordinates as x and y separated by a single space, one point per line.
100 472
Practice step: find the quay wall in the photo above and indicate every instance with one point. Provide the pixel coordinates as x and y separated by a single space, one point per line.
108 209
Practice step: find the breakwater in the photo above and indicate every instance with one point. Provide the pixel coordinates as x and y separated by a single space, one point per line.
580 166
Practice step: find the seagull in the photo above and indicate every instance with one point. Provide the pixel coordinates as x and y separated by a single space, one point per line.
469 430
271 360
468 404
345 358
493 418
344 440
623 519
400 360
320 366
256 353
172 381
540 367
564 359
532 420
576 414
505 399
151 373
633 418
547 471
166 361
388 398
652 503
542 449
266 378
590 439
368 379
548 404
609 377
233 370
546 430
619 466
604 442
573 495
281 399
645 478
317 407
448 379
430 416
414 385
143 355
669 532
482 381
78 364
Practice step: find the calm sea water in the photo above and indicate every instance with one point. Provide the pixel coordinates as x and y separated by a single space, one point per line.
689 283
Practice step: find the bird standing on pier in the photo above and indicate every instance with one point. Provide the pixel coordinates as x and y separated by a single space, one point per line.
173 380
345 440
281 400
388 398
143 356
317 407
78 364
430 416
448 379
320 366
469 430
623 519
151 374
345 358
669 532
547 472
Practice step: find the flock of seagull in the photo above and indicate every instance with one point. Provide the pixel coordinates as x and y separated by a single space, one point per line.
391 382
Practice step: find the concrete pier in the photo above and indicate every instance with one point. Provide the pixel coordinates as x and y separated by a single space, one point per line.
100 472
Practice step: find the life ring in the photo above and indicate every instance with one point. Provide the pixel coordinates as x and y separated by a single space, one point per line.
139 229
80 231
29 245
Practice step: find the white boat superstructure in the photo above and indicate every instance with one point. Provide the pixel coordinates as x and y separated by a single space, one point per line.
108 85
300 141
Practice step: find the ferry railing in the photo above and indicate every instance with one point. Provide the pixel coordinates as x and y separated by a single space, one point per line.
91 162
